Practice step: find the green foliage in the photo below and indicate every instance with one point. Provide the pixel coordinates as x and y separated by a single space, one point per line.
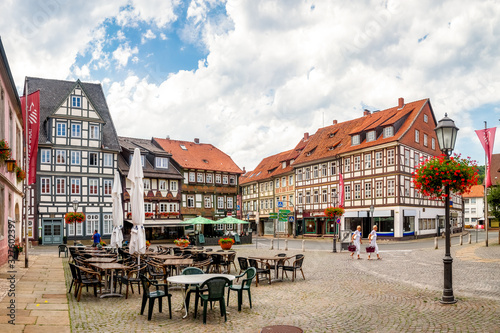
494 201
480 173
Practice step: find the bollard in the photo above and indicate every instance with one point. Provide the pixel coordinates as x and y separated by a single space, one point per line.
272 244
303 245
286 244
470 238
461 239
435 243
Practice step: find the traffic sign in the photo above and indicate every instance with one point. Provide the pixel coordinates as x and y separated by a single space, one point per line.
284 211
237 207
290 219
280 204
273 215
281 219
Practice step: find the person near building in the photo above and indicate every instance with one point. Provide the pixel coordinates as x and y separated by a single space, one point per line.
373 242
96 237
356 238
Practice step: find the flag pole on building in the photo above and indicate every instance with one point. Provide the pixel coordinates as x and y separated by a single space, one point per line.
26 179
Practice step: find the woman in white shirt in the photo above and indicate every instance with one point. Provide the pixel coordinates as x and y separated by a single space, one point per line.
373 241
356 238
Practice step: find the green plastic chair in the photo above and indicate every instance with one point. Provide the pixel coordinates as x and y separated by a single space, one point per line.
216 287
152 295
191 288
245 285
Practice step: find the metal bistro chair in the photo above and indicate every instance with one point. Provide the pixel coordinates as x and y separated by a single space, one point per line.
132 276
245 285
296 266
267 271
152 295
216 288
230 260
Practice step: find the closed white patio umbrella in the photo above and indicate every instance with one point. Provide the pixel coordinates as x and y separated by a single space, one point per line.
117 235
138 236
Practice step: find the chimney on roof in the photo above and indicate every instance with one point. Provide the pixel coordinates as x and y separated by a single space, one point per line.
196 140
401 102
306 136
366 112
244 171
168 137
335 121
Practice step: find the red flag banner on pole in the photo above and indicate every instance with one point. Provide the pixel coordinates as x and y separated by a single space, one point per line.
487 138
341 189
33 109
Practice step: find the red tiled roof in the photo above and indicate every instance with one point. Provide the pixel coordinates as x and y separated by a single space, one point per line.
477 191
333 140
268 167
201 156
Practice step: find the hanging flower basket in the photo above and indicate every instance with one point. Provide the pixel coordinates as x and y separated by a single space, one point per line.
333 212
432 175
73 217
20 174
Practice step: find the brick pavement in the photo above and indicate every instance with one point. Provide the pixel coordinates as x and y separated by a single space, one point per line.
397 294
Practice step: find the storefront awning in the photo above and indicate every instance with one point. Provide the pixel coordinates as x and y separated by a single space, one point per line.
164 223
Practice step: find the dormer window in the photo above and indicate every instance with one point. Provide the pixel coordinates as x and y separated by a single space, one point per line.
183 147
371 136
283 165
388 132
355 140
162 162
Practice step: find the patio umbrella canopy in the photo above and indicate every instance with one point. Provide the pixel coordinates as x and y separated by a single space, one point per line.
135 175
117 235
231 220
199 220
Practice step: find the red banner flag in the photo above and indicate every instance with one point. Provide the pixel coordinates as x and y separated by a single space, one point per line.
487 138
33 130
341 189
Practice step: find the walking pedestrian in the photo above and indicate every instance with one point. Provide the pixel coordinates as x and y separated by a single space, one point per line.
373 241
356 238
96 237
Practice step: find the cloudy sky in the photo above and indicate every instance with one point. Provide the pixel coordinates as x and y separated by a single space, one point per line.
252 76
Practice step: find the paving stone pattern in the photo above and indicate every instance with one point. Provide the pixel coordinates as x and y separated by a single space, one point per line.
397 294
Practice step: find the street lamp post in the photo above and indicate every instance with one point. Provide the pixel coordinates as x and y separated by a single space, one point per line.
75 208
446 133
334 203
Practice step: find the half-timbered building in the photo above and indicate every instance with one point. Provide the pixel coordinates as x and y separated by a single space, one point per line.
210 179
77 157
373 157
162 190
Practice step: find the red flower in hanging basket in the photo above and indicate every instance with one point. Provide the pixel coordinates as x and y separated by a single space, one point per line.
73 217
432 175
333 212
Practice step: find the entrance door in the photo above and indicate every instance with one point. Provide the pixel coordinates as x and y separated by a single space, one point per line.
52 232
367 226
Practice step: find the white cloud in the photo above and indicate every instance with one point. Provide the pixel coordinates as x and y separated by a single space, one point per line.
147 35
123 53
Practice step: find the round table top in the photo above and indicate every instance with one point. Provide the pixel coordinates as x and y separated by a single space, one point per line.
196 278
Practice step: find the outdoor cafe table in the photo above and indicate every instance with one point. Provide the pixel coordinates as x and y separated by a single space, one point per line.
177 262
102 255
195 279
109 267
100 260
275 260
165 256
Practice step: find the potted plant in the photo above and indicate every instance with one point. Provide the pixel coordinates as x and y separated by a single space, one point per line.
226 243
149 214
181 242
4 150
20 174
16 250
432 175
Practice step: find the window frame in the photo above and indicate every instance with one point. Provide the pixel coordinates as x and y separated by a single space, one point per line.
94 132
108 160
78 132
60 186
76 155
161 162
91 186
78 100
107 185
61 129
45 185
45 156
96 159
388 131
75 186
60 153
368 161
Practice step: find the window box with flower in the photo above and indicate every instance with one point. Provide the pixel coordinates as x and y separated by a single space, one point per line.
4 150
181 242
149 215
